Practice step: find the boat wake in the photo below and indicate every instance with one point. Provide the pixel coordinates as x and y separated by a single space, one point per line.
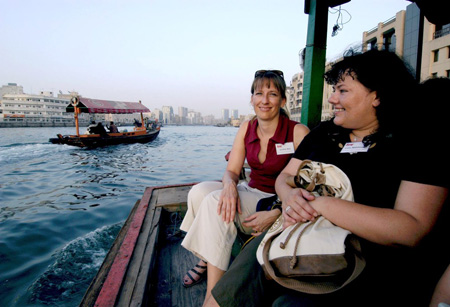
75 265
13 153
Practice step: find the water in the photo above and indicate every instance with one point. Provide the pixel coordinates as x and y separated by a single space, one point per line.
61 207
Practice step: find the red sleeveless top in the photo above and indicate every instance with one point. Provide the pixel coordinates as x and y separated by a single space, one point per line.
263 176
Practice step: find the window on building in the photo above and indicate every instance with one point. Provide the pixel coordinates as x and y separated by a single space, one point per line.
447 73
436 55
440 31
371 45
389 41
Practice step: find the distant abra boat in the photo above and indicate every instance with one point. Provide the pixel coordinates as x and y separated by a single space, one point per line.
140 134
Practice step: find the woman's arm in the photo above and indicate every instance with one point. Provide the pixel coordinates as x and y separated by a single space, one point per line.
300 131
415 212
229 199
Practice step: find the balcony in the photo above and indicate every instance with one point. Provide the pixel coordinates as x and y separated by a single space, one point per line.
442 32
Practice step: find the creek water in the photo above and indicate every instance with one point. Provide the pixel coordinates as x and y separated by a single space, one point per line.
61 206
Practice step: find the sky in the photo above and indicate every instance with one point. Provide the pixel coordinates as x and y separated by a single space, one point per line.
198 54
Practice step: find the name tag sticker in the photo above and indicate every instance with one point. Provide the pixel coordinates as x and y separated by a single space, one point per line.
354 147
284 149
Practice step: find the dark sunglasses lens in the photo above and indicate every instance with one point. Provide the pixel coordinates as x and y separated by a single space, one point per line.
260 73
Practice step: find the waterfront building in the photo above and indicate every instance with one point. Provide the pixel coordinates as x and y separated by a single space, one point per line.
18 109
209 120
225 115
235 114
157 114
194 118
168 116
11 88
182 115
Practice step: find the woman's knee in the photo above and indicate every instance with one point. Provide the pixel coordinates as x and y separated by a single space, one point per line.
199 192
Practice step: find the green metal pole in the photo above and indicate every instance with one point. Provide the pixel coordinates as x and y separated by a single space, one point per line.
314 67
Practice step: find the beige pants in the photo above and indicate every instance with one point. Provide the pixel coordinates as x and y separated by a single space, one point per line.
208 236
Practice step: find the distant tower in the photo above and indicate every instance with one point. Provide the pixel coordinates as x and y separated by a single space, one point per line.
235 114
225 114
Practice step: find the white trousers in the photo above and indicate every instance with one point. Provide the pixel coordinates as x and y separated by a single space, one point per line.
208 236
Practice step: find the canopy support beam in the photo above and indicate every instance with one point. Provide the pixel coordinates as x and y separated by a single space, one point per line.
315 57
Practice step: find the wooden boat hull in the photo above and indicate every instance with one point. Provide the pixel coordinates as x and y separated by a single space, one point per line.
96 140
128 273
146 262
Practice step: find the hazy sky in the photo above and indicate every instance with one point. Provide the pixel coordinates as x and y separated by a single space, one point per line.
198 54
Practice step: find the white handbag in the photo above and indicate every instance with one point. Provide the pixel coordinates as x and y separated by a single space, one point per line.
315 257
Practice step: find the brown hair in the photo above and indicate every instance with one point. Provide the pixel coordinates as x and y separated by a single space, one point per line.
269 77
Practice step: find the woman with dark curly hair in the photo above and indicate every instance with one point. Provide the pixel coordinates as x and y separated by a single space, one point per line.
397 199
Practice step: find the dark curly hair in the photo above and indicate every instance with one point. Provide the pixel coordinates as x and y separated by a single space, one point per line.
385 73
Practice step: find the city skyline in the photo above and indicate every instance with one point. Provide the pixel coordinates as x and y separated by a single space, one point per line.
197 54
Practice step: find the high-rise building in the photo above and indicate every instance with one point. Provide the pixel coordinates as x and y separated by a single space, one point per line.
167 114
235 114
182 112
225 115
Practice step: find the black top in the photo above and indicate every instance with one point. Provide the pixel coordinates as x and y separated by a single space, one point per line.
375 177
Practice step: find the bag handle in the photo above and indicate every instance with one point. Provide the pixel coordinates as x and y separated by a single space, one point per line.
317 179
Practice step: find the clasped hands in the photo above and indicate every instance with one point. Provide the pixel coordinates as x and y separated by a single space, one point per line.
297 207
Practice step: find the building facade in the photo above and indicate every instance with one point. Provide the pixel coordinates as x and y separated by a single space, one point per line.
425 47
294 95
18 109
225 115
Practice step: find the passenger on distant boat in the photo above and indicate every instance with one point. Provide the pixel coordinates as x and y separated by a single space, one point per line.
217 210
97 129
91 126
112 128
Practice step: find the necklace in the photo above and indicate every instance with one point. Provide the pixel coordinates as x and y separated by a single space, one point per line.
355 137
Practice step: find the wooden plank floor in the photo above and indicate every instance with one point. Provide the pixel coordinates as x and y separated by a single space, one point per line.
172 263
158 262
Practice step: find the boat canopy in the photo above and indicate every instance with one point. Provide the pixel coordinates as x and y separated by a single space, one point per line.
87 105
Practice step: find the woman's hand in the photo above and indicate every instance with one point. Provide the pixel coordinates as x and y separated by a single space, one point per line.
261 221
296 207
229 202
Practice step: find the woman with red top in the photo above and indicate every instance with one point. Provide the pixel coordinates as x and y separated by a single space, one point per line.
217 210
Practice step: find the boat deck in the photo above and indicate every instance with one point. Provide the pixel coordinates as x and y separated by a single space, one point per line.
173 263
146 263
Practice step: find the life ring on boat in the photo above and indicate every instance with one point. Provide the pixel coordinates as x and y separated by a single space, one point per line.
75 101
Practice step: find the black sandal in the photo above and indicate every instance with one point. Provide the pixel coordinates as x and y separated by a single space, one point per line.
200 275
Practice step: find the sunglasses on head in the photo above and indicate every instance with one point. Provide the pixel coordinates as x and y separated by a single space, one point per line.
261 73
